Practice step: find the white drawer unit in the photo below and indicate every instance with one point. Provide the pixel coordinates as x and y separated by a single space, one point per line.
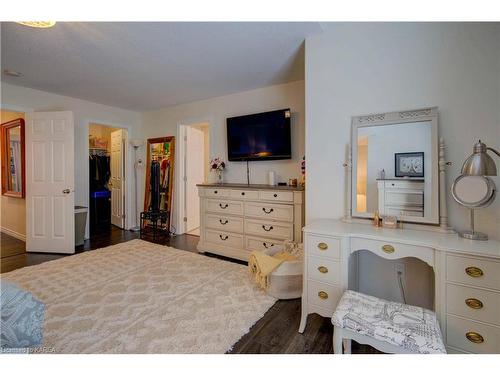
323 270
323 295
252 217
471 336
323 246
473 271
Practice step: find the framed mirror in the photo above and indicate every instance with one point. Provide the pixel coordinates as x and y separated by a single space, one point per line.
395 168
13 163
161 150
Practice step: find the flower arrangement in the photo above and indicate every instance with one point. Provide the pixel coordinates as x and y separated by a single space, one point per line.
217 165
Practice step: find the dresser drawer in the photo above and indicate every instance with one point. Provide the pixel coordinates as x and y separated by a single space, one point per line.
322 246
271 211
458 330
224 238
323 270
413 185
244 194
271 229
325 296
278 196
472 271
393 250
224 223
260 243
216 192
473 303
224 207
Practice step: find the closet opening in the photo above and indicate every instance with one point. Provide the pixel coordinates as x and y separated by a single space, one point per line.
107 176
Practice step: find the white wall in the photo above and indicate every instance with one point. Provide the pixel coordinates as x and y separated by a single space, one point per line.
26 99
165 122
356 69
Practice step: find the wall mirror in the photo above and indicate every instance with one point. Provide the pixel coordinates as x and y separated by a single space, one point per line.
395 165
13 164
160 153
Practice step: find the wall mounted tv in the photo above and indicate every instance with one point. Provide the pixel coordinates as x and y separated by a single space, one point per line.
261 136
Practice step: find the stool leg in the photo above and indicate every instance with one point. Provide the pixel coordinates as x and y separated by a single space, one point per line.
347 346
337 340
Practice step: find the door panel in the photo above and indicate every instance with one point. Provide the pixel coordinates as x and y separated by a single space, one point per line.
195 174
50 197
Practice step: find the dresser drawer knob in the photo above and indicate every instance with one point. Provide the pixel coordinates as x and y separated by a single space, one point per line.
266 245
474 337
267 211
215 191
223 206
389 249
275 195
268 229
242 193
474 303
322 294
223 222
322 246
474 271
323 269
223 238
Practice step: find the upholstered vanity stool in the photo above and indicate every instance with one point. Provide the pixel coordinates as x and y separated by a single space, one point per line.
390 327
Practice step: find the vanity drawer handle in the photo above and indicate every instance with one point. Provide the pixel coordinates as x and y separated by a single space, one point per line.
474 337
223 222
474 303
268 229
322 294
474 271
322 246
323 269
266 211
389 249
223 238
223 207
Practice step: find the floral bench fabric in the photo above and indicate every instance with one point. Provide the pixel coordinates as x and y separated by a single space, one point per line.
413 328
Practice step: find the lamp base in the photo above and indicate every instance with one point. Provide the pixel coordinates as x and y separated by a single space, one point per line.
470 235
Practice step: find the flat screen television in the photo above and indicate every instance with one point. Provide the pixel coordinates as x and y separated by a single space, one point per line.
261 136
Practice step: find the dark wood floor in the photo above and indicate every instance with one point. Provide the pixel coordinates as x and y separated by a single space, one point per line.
275 333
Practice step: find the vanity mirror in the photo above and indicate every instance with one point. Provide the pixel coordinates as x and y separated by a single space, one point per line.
13 167
395 166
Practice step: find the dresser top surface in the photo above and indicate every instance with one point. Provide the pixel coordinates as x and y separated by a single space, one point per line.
251 186
436 240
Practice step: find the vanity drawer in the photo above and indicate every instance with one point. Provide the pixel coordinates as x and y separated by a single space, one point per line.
323 270
393 250
225 223
467 335
271 229
325 296
224 238
269 211
278 196
473 303
259 243
216 192
224 207
472 271
244 194
322 246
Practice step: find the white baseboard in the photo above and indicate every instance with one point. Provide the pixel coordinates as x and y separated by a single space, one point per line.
14 234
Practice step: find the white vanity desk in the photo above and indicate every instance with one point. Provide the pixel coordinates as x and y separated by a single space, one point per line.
467 276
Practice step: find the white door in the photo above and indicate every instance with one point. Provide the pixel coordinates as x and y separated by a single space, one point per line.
50 177
195 174
117 180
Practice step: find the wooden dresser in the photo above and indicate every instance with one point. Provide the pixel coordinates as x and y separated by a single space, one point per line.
236 219
467 276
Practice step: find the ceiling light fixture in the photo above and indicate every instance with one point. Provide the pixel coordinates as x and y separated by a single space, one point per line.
12 73
38 24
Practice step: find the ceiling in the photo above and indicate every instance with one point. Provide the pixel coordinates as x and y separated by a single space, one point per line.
143 66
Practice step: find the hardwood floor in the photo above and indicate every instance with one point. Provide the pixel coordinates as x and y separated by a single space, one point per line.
275 333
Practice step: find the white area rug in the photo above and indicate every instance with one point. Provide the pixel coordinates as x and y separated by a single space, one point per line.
138 297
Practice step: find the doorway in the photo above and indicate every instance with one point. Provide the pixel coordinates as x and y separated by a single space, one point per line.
195 168
107 176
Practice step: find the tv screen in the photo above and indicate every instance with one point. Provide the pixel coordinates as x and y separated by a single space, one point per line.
261 136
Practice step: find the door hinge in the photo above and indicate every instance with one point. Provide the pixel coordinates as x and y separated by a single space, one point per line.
123 216
185 219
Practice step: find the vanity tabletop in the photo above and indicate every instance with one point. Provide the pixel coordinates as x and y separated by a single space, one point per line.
252 186
436 240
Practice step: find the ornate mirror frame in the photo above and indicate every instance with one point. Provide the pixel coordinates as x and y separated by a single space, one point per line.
5 159
150 142
438 200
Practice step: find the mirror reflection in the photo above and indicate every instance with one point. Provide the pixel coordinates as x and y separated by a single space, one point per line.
13 158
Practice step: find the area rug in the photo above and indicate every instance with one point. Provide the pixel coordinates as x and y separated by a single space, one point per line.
139 297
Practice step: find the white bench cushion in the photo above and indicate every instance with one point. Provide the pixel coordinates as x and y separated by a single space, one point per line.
410 327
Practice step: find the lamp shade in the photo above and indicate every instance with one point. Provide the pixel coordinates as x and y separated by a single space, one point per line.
479 163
